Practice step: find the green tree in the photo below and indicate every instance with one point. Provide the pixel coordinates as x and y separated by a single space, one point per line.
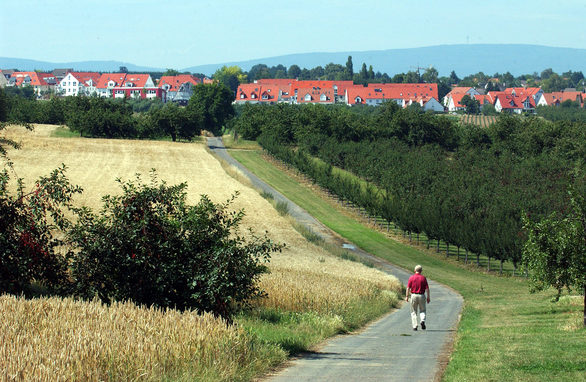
212 105
370 73
472 104
430 75
176 122
150 246
454 80
546 73
294 71
171 72
411 77
349 68
364 72
231 76
555 251
489 110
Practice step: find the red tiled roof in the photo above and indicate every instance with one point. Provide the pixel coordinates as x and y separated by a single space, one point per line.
84 77
118 78
459 90
340 85
316 93
522 91
275 81
555 98
137 80
510 101
407 91
36 79
175 82
257 93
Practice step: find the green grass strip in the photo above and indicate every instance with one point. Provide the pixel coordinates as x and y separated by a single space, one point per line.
506 333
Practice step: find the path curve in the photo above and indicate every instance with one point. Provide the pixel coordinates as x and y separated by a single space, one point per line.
386 350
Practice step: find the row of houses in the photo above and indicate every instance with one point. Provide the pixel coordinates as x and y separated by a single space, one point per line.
512 100
273 91
177 88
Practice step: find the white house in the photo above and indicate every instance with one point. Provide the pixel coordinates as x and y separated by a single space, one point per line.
431 104
453 98
78 83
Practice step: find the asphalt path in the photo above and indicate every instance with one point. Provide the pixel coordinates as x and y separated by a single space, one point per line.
386 350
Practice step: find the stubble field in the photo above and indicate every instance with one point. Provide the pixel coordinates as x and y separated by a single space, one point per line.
303 278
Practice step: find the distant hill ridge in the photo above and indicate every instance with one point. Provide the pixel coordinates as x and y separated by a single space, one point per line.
463 59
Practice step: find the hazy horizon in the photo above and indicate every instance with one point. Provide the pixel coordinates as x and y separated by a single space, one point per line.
181 34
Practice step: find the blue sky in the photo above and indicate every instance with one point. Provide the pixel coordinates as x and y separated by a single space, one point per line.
180 33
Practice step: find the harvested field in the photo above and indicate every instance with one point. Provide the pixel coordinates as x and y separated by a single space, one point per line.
304 277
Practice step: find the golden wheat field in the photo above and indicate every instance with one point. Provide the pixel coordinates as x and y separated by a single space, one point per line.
304 277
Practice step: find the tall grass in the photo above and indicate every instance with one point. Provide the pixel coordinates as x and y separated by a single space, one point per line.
63 339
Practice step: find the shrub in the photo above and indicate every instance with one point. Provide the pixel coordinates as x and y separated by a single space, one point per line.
148 245
29 223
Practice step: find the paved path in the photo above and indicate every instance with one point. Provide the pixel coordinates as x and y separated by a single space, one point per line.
388 349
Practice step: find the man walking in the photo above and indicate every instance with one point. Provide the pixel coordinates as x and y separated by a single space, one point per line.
416 289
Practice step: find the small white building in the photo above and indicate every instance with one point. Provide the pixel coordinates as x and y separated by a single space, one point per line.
79 83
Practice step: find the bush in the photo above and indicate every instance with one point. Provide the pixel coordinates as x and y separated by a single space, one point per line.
149 246
28 226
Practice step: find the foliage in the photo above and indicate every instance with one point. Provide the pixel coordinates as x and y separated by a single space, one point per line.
467 186
555 113
148 245
171 120
555 251
29 224
472 104
212 104
230 76
100 117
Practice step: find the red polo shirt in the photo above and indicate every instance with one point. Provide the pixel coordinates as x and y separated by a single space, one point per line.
417 284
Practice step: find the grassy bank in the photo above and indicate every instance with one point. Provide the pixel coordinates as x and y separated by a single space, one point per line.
506 333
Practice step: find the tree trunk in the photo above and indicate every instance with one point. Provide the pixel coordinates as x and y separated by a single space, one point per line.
489 263
428 243
437 248
417 238
477 260
466 256
458 253
501 269
584 305
447 249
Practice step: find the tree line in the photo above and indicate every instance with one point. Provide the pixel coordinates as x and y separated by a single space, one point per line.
467 186
208 109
